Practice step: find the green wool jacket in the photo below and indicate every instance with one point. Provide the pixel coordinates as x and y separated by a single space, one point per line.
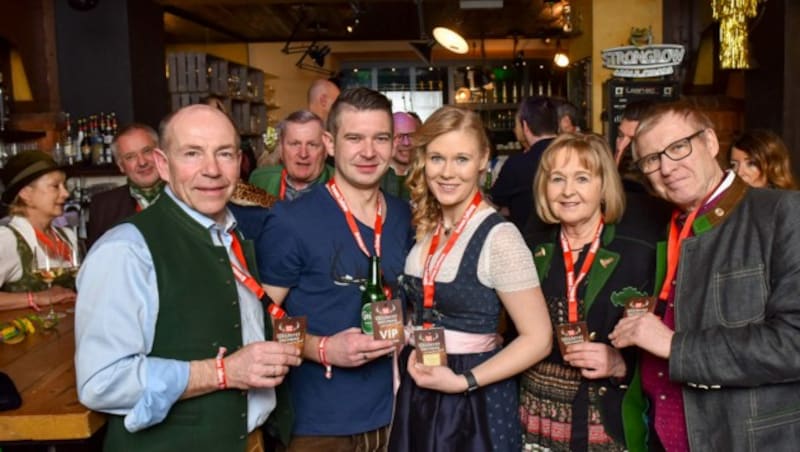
198 313
268 178
634 403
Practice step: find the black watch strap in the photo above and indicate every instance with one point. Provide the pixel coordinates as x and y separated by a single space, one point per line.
472 383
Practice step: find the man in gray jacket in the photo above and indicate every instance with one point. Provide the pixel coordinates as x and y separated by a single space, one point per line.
721 354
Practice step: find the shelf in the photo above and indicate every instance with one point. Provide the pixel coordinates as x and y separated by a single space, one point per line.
92 171
19 136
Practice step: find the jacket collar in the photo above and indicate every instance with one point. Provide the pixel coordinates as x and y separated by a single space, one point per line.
602 268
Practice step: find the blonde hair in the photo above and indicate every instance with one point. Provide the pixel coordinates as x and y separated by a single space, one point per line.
427 210
594 153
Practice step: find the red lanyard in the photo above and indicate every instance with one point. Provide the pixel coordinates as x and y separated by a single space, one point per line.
429 272
54 248
674 248
569 268
351 221
282 192
243 276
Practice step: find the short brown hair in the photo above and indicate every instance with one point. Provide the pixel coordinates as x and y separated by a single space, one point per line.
359 99
594 153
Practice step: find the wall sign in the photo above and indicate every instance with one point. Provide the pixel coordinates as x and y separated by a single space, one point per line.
654 60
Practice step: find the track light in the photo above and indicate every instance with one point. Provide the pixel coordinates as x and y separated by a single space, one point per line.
450 40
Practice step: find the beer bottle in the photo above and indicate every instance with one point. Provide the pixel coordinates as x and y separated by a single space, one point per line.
373 291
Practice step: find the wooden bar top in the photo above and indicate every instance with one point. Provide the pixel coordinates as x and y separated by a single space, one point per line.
43 370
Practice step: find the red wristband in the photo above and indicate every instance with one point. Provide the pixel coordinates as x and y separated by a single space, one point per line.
323 358
32 304
222 381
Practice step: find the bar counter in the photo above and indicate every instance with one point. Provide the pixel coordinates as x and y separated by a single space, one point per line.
43 371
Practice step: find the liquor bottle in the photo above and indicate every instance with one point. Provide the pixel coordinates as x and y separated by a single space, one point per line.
108 157
373 291
96 142
86 143
67 143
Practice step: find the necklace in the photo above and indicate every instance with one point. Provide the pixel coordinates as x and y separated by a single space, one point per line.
576 249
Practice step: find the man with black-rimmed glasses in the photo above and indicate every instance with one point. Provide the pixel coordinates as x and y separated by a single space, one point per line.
721 359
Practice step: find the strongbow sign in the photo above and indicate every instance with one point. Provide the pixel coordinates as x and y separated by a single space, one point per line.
645 61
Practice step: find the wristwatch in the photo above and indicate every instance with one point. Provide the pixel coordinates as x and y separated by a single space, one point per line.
472 383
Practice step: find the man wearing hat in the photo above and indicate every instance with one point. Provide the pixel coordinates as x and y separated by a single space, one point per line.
35 195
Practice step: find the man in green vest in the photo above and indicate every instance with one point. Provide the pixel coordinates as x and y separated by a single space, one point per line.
302 158
170 331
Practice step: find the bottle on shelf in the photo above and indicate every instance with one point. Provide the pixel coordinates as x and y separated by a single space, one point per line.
373 291
85 141
96 141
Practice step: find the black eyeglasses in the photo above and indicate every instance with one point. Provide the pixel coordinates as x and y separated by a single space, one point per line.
678 150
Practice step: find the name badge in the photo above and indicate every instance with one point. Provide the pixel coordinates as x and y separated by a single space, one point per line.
430 346
571 334
291 330
387 321
637 306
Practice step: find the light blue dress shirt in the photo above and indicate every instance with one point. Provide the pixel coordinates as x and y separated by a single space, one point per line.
115 321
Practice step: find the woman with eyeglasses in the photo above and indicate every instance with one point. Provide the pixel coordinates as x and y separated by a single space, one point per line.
583 396
32 250
761 159
466 266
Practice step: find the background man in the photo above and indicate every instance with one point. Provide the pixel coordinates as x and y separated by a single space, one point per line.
536 126
156 304
302 157
321 96
393 181
568 116
312 261
133 151
722 366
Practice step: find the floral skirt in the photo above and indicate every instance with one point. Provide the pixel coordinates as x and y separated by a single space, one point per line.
547 397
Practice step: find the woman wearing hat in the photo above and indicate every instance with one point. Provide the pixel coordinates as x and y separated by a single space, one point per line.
35 195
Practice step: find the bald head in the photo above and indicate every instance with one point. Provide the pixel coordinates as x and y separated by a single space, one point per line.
321 95
199 158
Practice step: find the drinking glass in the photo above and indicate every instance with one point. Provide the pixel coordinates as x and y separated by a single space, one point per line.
47 271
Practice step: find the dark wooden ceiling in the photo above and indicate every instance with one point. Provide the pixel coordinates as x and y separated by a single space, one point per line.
219 21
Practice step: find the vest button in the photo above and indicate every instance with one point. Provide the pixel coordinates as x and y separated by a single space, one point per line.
221 260
244 415
235 302
228 282
236 325
241 436
602 390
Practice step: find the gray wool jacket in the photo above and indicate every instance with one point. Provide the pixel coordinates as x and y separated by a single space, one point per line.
736 347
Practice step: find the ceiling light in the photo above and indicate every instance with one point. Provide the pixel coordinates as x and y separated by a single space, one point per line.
450 40
561 59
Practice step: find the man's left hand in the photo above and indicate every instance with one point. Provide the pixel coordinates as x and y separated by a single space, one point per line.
646 331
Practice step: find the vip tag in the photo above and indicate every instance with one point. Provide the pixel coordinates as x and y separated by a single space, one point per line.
571 334
637 306
387 321
430 346
291 330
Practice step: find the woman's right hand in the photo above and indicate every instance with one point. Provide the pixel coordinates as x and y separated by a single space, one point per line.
55 295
